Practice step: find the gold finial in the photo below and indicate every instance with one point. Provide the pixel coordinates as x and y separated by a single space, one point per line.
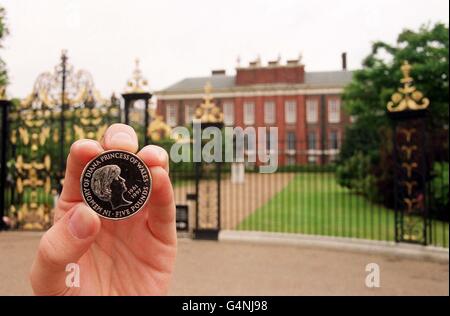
158 129
3 95
208 112
207 88
137 83
406 70
407 97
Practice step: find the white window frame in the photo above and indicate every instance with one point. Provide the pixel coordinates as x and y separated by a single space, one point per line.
270 112
172 115
228 113
290 111
249 113
312 110
287 140
188 117
312 159
330 139
291 160
334 110
315 140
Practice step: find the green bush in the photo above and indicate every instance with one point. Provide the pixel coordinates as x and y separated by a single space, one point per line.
355 174
308 168
440 190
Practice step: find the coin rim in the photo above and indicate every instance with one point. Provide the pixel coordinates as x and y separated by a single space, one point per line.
126 152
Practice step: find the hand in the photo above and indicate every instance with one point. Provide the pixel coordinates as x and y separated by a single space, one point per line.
134 256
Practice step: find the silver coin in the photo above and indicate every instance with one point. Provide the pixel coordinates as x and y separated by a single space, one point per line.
116 184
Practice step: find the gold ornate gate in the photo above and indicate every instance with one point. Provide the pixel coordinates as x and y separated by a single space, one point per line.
208 174
64 106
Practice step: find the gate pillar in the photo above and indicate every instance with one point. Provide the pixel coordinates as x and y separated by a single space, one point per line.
408 110
4 108
137 90
208 174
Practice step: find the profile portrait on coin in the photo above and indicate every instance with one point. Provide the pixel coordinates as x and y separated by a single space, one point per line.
109 186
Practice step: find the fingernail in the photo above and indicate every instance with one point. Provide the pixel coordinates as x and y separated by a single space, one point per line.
120 138
84 142
163 157
82 222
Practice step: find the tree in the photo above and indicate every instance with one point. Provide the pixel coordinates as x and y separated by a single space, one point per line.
372 86
427 50
3 33
369 138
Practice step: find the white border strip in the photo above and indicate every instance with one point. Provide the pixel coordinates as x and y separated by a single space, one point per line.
340 243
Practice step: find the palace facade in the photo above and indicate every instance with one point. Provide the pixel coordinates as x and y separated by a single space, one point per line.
305 106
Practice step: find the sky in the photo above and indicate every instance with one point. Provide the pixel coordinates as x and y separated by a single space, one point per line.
175 39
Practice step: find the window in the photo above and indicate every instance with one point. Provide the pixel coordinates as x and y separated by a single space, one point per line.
290 160
334 111
334 144
290 111
171 115
312 111
228 113
312 159
249 113
189 112
269 112
291 142
312 141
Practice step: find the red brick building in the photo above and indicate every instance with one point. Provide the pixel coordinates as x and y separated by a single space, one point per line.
305 106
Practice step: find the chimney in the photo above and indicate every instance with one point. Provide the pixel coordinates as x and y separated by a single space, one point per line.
218 72
344 61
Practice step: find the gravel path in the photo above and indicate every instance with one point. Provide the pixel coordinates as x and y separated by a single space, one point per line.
225 268
238 200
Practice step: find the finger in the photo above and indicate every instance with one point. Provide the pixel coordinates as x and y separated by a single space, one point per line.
154 156
64 243
81 152
121 137
161 207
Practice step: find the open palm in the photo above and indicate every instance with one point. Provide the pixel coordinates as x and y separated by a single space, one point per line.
134 256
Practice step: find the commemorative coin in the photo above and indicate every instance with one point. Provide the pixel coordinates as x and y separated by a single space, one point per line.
116 184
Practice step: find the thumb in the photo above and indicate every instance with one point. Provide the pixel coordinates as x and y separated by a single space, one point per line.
64 243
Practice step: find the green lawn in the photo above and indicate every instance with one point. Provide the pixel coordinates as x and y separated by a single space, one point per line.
314 203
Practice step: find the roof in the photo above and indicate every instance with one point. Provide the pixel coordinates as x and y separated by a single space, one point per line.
225 82
338 78
198 83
